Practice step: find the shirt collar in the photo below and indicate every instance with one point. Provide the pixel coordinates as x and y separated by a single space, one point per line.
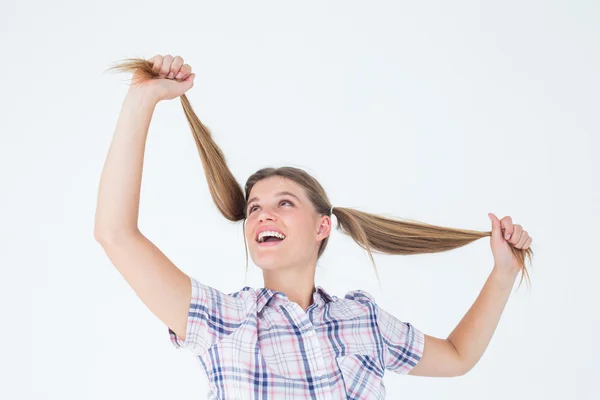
264 296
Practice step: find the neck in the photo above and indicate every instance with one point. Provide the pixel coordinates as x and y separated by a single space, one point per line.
297 283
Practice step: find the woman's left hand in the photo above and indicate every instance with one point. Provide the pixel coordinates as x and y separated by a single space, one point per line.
504 235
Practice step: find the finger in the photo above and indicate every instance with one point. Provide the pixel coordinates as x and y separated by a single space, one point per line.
522 240
177 63
156 63
184 72
166 65
190 80
517 234
507 226
527 243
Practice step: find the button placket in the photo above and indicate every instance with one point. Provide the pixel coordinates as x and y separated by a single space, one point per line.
318 360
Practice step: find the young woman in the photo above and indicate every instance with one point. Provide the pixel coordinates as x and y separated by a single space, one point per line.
290 339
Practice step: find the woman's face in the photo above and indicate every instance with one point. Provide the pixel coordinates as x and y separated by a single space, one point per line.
281 205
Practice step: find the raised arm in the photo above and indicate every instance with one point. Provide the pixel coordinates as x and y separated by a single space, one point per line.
465 346
467 343
162 287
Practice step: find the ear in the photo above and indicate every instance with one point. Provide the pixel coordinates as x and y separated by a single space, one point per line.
325 226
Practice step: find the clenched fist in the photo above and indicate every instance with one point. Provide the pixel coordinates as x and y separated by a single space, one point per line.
171 78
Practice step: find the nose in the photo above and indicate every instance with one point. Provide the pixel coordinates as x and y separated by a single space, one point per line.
264 214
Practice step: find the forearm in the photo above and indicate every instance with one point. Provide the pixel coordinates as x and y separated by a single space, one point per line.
119 190
474 332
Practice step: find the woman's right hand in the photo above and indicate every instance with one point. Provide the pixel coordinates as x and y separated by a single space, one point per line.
174 78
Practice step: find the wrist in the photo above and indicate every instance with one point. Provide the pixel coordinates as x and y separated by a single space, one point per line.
141 95
505 275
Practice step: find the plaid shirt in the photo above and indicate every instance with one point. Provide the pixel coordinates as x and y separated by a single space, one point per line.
256 344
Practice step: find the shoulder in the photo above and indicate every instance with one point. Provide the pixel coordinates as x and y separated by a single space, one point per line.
360 296
358 303
216 299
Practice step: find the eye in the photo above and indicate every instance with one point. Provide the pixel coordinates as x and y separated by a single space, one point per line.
282 201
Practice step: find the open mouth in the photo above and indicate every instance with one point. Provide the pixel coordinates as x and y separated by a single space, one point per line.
270 242
270 238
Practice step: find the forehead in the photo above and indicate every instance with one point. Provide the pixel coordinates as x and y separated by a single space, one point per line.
269 187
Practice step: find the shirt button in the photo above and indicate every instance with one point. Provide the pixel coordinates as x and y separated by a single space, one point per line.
310 333
319 373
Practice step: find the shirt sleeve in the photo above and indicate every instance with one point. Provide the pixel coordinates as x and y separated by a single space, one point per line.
212 316
403 343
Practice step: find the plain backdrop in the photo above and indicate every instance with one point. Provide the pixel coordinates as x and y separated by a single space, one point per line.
434 111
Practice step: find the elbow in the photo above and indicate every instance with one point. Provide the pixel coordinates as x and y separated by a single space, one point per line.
98 235
462 366
104 236
465 368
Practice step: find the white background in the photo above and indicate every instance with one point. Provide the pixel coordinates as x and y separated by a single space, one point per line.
433 111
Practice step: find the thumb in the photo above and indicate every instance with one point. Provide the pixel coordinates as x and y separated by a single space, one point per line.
496 226
189 81
185 84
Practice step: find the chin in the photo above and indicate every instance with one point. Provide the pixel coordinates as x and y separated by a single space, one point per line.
268 259
267 267
268 263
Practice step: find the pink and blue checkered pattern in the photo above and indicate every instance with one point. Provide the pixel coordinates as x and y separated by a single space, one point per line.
256 344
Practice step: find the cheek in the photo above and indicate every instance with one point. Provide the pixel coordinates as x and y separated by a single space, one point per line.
303 232
248 230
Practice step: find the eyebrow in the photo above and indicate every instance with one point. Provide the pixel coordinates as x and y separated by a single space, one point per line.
278 194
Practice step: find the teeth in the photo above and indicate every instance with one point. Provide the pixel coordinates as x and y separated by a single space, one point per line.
264 234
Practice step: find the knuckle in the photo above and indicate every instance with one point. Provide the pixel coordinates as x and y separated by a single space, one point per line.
176 67
167 60
185 71
164 69
157 61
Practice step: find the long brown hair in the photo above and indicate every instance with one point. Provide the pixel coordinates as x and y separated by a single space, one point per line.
372 232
